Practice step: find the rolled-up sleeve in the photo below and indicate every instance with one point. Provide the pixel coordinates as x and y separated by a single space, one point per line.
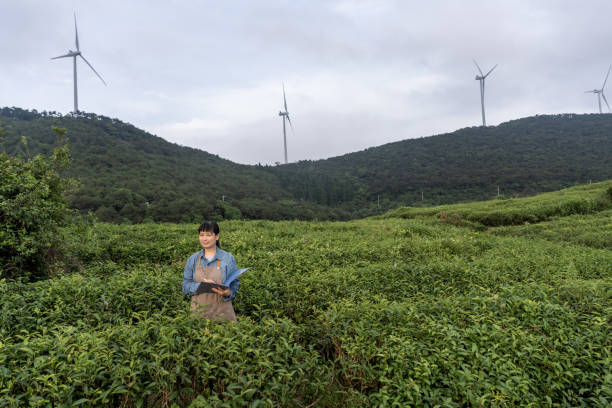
189 286
231 268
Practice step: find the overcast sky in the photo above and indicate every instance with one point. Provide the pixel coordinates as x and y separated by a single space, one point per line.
357 73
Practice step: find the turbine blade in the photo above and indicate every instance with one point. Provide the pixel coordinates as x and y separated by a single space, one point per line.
92 68
63 56
479 70
606 80
491 71
285 99
606 101
76 34
291 124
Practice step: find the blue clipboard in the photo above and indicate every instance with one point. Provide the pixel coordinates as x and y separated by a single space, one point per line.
234 276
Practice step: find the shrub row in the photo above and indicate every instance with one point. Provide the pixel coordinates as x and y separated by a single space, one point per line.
391 312
586 199
592 231
161 361
492 350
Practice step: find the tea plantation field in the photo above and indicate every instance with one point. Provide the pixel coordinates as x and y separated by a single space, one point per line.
499 303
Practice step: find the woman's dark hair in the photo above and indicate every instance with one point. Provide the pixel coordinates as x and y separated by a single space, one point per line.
210 226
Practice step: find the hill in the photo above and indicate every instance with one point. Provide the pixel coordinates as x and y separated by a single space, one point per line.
521 157
128 174
411 309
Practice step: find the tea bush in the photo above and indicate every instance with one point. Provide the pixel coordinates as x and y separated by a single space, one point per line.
376 312
160 360
593 231
95 300
491 349
584 199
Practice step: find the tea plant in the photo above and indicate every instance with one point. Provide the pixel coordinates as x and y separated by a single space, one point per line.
584 199
419 311
594 231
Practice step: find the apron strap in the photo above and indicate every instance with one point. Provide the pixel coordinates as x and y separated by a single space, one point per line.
218 262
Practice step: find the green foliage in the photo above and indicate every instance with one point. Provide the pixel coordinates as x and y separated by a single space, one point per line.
31 210
127 174
485 349
522 157
160 360
593 231
387 312
585 199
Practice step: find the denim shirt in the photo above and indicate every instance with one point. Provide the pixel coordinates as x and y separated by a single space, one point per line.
228 266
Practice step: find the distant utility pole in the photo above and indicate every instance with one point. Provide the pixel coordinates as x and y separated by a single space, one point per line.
498 191
379 201
421 195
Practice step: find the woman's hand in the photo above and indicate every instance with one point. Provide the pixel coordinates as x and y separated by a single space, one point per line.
222 292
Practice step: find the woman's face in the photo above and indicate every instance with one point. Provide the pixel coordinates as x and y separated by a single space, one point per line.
208 239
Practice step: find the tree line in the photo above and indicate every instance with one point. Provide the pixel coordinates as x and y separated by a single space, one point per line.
127 175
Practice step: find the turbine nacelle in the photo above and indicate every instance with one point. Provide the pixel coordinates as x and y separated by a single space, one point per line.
70 54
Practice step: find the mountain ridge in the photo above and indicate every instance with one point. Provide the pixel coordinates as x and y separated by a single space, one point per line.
129 174
555 151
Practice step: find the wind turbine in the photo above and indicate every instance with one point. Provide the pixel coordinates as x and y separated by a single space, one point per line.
285 116
482 78
600 92
74 55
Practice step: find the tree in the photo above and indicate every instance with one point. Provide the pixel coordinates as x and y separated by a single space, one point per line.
32 208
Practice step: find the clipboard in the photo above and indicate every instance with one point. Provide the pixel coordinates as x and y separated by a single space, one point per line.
235 275
206 287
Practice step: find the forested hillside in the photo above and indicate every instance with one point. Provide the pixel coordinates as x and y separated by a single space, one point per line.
128 174
521 157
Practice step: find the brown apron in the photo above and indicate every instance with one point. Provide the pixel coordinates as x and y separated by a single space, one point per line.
211 305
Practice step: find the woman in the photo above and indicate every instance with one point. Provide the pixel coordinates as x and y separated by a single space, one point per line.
214 265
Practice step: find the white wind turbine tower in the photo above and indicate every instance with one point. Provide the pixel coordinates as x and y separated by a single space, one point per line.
600 92
482 78
74 55
285 116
